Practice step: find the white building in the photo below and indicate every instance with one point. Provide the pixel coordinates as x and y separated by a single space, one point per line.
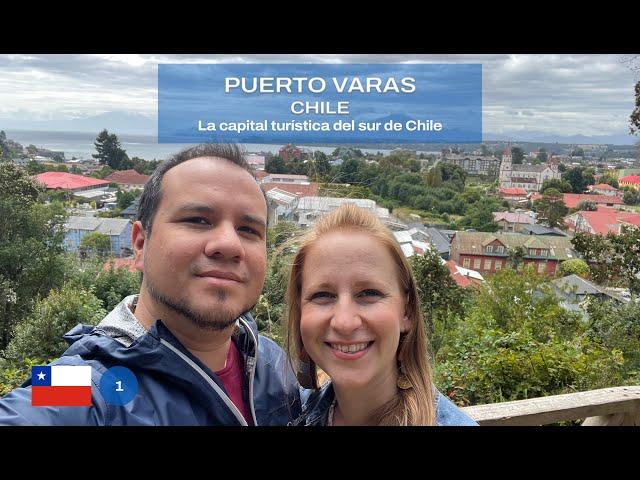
311 208
528 177
286 178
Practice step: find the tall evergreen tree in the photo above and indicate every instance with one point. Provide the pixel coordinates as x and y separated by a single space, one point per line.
110 152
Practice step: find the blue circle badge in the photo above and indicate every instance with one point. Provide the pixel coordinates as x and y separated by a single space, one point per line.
118 386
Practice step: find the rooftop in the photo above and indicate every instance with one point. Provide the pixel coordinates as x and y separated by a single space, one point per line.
512 217
603 186
108 226
606 220
513 191
297 189
471 243
127 177
631 179
68 181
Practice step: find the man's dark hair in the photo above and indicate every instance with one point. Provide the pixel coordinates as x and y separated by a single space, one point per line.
152 193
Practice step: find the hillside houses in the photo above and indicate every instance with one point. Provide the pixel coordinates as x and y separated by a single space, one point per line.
489 252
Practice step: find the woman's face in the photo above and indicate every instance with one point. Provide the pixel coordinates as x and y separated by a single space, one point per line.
352 309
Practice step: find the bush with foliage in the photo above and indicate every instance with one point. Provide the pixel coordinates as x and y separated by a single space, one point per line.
517 342
40 334
574 266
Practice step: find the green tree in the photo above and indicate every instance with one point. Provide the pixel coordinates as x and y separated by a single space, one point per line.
321 165
551 207
5 151
631 197
587 206
40 334
32 150
144 167
110 152
574 266
30 246
617 327
626 254
612 256
453 174
112 285
542 155
275 165
517 155
561 185
609 180
270 308
35 168
103 172
515 256
126 198
96 242
479 215
433 178
634 118
441 299
579 178
595 249
577 152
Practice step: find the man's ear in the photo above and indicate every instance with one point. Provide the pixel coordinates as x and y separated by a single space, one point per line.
137 240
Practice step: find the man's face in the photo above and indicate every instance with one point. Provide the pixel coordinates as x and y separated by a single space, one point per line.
205 258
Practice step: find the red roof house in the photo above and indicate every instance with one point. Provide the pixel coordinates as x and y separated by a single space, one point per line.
69 181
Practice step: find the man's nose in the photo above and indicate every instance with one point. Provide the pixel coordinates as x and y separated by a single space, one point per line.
224 242
346 318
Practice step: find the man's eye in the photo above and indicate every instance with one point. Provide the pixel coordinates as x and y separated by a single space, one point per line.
250 230
197 220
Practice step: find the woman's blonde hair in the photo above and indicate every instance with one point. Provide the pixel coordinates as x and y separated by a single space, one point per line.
412 406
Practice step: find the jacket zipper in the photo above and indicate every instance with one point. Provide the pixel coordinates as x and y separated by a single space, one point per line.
210 381
251 364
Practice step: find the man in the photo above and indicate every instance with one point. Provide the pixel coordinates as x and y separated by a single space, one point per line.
200 241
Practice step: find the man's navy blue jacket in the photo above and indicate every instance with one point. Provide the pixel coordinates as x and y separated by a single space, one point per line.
174 387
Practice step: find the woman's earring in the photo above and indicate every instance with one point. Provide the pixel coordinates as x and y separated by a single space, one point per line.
403 382
306 374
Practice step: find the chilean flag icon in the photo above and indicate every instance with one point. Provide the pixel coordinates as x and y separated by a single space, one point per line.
61 386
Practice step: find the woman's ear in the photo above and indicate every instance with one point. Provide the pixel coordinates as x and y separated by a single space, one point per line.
405 324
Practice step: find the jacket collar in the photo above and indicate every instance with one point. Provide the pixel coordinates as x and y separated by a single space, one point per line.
123 326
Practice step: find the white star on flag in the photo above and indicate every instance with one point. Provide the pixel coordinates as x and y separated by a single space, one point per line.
41 376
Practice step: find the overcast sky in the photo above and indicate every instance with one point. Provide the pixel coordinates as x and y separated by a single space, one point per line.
562 94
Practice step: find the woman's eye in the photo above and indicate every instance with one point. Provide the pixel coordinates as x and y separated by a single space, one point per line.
370 293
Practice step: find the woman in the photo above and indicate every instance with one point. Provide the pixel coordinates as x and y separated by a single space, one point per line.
353 310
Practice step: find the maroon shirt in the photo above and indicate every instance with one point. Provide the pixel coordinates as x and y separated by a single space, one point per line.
232 377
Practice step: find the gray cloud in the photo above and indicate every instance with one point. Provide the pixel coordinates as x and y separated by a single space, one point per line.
563 94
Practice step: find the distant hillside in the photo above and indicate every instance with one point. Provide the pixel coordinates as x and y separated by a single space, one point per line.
541 137
116 122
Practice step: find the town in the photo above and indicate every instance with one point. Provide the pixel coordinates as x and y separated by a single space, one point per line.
535 246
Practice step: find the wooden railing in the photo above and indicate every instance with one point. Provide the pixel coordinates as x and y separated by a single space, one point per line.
604 407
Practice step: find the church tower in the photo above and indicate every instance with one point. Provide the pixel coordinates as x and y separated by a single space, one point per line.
506 168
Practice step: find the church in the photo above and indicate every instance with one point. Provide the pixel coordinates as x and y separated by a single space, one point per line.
529 177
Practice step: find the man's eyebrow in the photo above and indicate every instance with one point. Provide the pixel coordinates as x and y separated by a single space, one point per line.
256 220
195 207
